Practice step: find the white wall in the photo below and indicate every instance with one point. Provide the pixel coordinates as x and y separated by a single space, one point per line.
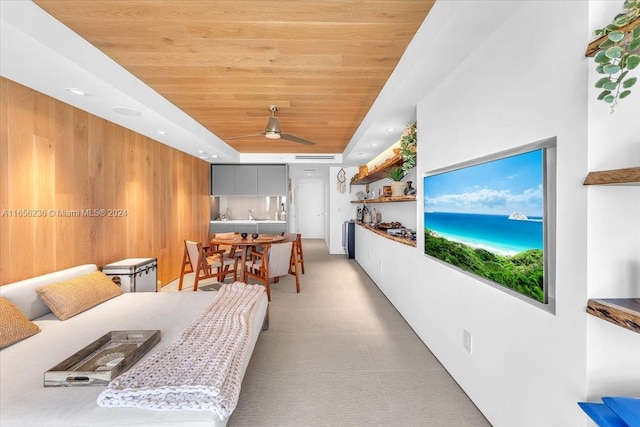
340 207
613 263
525 82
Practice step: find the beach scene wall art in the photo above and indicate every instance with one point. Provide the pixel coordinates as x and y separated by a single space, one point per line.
488 219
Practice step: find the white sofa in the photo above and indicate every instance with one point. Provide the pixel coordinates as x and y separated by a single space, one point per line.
24 401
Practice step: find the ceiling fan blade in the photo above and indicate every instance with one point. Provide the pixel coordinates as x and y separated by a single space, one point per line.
247 136
294 138
272 131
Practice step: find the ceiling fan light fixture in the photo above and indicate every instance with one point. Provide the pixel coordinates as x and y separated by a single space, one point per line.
272 131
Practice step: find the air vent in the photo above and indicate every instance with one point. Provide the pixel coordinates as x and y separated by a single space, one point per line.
315 157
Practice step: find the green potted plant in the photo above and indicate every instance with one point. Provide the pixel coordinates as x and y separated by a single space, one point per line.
615 56
408 148
397 186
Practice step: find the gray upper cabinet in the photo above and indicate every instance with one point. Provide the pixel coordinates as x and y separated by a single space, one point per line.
224 179
249 180
246 180
272 180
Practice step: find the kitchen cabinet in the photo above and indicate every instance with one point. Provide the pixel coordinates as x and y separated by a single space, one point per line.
223 179
270 228
221 227
249 227
248 180
272 180
246 228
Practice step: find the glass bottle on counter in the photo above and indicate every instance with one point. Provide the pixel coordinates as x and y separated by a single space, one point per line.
283 213
366 215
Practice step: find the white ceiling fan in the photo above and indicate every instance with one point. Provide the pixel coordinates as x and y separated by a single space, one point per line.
272 131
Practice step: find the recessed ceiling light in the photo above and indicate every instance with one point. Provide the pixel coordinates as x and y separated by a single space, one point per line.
126 111
202 152
390 129
375 144
214 156
162 132
76 91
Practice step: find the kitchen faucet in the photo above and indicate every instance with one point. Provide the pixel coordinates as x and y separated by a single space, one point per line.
251 218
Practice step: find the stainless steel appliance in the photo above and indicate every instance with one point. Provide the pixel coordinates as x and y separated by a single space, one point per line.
349 239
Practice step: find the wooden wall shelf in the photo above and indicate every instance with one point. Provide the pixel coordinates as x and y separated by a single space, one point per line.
628 176
593 46
406 198
380 172
624 312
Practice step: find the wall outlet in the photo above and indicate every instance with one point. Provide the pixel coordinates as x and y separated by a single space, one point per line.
467 340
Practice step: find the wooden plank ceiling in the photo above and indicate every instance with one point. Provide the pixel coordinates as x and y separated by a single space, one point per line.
322 62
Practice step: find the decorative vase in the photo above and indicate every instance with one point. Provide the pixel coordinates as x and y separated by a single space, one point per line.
397 188
409 190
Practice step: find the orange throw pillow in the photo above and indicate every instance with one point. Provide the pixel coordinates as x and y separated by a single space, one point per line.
14 326
73 296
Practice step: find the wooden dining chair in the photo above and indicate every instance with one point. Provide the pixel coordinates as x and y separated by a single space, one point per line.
296 238
230 251
205 263
275 260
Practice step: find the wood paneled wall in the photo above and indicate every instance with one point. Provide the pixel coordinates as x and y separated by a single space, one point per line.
57 160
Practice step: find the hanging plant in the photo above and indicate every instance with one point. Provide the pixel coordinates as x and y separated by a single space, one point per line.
408 147
615 56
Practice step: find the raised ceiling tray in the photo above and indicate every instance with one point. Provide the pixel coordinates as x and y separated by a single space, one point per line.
102 360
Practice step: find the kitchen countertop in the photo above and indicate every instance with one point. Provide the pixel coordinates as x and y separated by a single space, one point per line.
249 221
386 235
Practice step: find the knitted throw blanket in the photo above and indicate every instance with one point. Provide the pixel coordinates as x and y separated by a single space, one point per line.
200 368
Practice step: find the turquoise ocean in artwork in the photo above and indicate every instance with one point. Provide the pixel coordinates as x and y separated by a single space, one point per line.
495 233
497 205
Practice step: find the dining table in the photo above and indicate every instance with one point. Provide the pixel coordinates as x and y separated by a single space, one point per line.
244 244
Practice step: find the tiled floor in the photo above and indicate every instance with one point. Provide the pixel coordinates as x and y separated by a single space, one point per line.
339 354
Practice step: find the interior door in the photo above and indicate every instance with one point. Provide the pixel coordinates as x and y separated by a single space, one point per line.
310 202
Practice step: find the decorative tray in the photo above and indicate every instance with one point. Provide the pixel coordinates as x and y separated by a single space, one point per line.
102 360
388 225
